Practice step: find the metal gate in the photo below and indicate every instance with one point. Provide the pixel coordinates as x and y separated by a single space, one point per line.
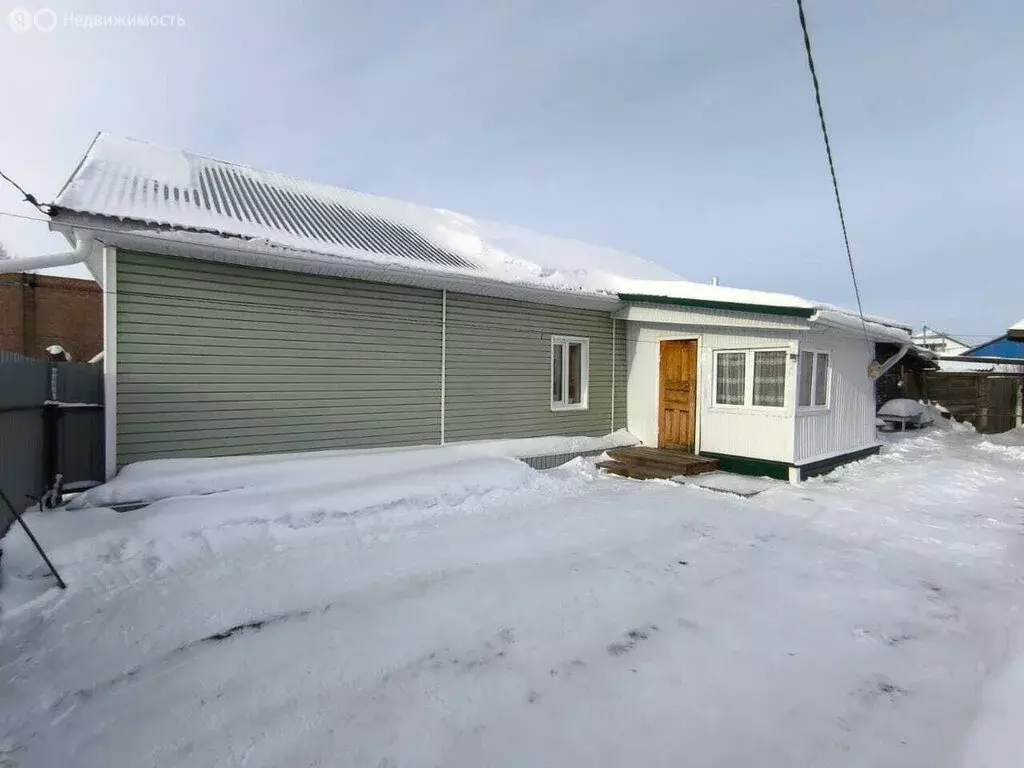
51 428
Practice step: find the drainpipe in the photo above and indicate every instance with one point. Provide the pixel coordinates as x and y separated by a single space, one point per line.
876 369
83 247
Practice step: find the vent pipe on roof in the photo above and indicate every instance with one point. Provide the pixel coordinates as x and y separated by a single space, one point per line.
714 281
83 247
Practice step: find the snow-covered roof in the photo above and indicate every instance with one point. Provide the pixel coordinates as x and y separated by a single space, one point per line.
166 194
129 180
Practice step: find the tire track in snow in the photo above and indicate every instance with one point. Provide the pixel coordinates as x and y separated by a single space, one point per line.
70 701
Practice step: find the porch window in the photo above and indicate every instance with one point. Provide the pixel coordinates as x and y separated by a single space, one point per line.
730 378
814 376
770 378
570 371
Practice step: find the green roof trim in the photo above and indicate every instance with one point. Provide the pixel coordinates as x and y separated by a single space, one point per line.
732 306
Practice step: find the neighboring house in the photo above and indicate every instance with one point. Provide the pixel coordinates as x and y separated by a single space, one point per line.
941 344
248 312
39 311
1005 352
985 384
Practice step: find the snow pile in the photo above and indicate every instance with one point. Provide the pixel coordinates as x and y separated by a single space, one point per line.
903 408
148 481
1010 444
907 412
279 497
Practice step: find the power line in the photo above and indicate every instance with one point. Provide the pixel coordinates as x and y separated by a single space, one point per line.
29 197
831 163
24 216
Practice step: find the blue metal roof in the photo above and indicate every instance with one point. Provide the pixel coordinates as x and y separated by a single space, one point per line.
1003 347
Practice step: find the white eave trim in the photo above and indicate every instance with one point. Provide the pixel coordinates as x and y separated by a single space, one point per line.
658 314
130 236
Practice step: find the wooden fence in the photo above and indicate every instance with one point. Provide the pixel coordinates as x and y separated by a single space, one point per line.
989 401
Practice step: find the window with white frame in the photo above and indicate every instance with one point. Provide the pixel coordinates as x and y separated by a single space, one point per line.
770 378
764 387
730 378
570 371
814 377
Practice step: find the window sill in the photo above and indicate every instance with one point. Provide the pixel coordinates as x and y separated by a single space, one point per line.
812 410
761 410
569 407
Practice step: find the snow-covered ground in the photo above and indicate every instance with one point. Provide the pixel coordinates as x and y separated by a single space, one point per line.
465 610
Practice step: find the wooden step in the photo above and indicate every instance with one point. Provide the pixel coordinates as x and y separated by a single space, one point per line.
663 463
637 473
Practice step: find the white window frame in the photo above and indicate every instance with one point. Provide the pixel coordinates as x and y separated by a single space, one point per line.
746 378
565 341
748 381
785 380
814 377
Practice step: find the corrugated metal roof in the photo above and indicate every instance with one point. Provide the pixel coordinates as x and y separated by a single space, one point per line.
124 179
1004 348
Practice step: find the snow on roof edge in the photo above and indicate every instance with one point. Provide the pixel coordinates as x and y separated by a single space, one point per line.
204 246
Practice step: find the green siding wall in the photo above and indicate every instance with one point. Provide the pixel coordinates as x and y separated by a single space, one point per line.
217 360
225 360
499 369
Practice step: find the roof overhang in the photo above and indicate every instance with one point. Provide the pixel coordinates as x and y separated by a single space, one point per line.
688 311
727 306
145 238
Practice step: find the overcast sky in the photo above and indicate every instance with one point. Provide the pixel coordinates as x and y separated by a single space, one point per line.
682 131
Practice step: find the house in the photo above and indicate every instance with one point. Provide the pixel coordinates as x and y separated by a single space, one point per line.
941 344
249 312
1005 352
40 311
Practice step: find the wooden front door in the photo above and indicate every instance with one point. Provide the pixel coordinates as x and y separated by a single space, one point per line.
677 402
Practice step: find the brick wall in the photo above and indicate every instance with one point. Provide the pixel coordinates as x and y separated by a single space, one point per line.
38 310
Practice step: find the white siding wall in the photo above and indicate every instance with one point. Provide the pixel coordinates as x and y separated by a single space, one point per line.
761 433
848 424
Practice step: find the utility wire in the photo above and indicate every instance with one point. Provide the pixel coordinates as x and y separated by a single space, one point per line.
831 166
29 197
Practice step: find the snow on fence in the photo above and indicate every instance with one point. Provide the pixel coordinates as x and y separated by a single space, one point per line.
51 422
